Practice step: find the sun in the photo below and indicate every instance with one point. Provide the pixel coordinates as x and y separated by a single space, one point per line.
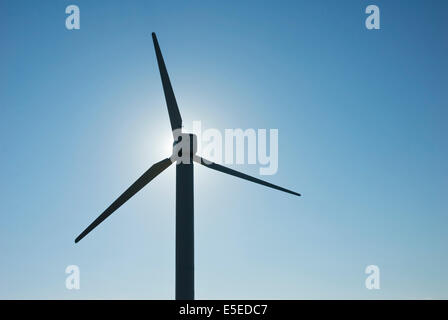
165 144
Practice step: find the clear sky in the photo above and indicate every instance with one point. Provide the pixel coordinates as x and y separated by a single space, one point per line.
361 116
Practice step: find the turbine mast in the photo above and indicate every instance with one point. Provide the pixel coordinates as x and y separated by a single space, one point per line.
184 231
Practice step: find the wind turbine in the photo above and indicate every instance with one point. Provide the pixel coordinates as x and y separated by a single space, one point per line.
184 154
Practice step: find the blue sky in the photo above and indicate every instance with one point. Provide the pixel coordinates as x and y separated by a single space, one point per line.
362 135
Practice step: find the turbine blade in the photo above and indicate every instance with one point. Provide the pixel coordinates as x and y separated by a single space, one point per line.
235 173
150 174
173 110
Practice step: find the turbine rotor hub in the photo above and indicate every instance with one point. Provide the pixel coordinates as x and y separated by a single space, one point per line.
185 146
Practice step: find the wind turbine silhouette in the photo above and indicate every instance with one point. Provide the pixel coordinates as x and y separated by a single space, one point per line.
184 154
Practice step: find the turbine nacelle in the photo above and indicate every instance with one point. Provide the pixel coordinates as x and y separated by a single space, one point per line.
185 147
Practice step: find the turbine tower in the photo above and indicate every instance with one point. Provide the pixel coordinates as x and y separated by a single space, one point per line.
184 154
